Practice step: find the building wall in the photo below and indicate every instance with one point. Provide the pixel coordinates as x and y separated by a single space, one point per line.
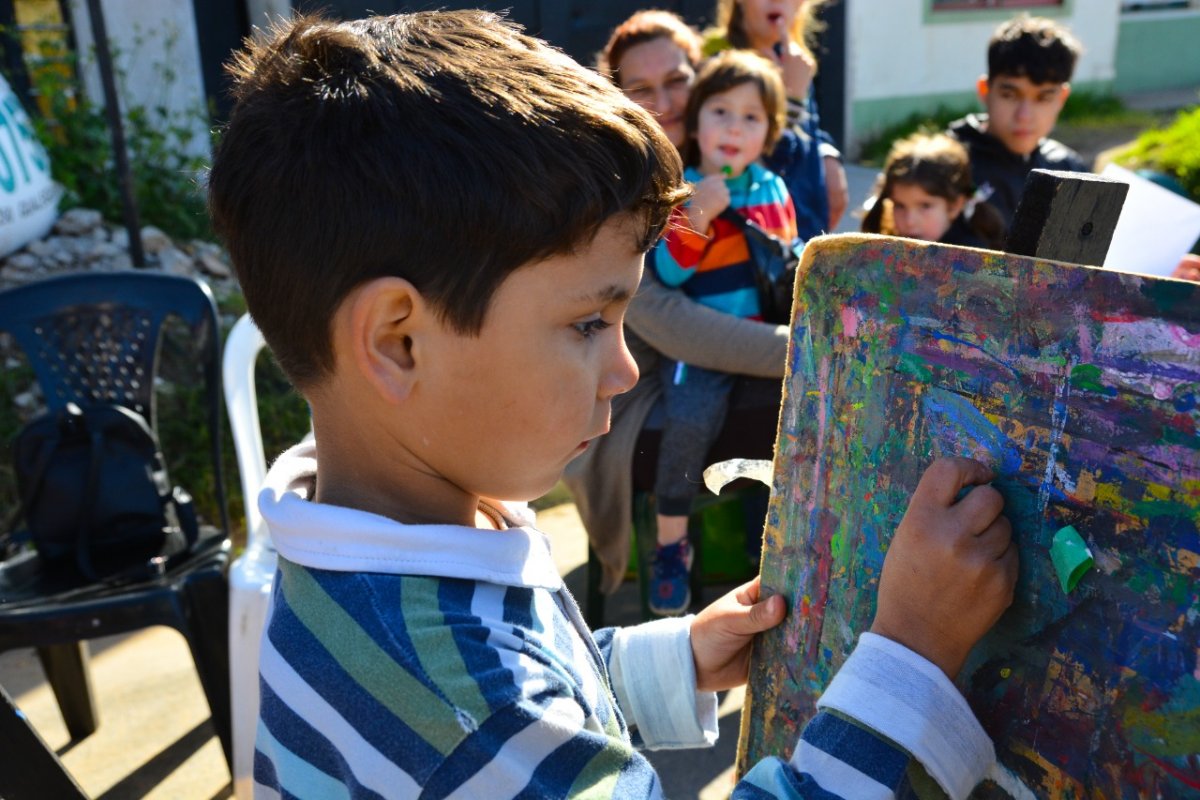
1158 50
905 58
156 46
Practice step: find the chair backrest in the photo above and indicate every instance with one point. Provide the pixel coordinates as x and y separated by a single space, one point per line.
93 338
242 347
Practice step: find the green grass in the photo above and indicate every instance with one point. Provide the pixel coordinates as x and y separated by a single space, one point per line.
1173 150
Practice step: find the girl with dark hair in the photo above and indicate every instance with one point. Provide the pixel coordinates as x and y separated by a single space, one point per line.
925 192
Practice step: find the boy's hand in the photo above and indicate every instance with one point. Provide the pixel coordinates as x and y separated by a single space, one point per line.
722 633
709 198
951 568
1188 268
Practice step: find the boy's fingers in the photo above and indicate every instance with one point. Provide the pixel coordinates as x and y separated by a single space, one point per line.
946 477
765 615
994 541
978 508
748 593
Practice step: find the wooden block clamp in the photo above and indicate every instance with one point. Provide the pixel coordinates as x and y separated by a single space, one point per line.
1066 216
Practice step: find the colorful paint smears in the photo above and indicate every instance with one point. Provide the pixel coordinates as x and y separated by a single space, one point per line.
1081 387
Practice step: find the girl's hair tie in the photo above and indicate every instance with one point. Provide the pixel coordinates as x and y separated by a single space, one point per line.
981 196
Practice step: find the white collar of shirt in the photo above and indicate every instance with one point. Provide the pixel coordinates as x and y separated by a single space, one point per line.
347 540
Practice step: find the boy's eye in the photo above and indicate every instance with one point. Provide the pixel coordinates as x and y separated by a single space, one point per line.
590 327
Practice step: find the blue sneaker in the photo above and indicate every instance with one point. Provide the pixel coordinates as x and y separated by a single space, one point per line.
670 582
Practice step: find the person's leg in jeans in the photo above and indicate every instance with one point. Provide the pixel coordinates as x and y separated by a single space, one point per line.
695 402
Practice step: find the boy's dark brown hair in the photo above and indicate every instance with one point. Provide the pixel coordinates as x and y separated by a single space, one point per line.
1033 47
446 148
728 70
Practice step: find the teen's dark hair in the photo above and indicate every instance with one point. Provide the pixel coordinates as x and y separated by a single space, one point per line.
727 70
1033 47
940 166
446 148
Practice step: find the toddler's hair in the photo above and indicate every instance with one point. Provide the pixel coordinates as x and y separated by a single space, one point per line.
940 166
642 27
728 70
1033 47
445 148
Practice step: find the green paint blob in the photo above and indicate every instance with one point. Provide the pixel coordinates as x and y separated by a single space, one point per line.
1087 378
915 366
1071 557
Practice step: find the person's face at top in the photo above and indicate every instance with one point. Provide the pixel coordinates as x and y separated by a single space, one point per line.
1020 112
766 22
658 77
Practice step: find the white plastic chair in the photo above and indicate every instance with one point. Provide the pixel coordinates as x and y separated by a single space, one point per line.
252 573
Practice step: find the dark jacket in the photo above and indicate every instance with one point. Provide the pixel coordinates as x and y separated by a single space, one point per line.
994 165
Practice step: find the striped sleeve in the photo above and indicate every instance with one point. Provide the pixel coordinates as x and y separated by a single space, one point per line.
678 255
890 725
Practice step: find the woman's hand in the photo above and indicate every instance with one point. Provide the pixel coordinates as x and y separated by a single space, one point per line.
710 198
723 632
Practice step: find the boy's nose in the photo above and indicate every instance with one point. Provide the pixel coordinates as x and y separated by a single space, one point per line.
621 371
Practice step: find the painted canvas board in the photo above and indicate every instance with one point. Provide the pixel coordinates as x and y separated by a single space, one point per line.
1081 387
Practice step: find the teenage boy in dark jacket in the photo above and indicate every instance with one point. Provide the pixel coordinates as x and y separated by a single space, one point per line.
1030 61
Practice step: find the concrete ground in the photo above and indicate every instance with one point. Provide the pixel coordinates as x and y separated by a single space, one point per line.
155 742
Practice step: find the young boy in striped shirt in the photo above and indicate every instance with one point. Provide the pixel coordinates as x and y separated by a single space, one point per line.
438 224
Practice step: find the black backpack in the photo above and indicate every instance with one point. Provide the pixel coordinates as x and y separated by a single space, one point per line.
775 263
95 493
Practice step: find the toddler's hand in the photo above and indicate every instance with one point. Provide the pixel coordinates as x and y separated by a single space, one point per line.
951 568
710 198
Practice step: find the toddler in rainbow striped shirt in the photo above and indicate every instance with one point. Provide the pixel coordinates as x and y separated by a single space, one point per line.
736 112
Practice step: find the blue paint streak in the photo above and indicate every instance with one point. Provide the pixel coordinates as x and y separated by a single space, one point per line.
955 419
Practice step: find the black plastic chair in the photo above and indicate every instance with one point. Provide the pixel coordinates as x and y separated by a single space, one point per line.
95 339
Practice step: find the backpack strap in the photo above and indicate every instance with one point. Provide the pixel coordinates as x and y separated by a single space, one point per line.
752 228
83 544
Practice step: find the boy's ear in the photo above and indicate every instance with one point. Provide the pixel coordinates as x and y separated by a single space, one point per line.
382 317
956 207
1066 92
981 88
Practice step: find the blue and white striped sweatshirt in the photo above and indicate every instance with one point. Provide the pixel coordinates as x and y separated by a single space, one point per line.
445 661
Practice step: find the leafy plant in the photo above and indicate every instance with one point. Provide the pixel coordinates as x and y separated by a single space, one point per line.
875 148
1081 109
74 130
1173 150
